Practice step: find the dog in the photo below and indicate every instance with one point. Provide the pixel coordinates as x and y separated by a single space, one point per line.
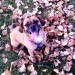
30 34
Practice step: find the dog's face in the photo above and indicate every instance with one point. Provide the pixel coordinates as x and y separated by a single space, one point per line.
32 25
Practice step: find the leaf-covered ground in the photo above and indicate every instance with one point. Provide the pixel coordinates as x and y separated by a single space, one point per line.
5 18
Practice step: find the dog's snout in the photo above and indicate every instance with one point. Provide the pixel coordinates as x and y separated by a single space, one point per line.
35 28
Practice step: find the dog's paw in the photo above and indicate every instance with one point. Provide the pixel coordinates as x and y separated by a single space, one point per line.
15 49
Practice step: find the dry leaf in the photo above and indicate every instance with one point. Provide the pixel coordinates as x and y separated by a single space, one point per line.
30 68
5 60
44 70
22 68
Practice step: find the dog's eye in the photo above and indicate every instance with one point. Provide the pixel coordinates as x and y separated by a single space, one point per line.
27 24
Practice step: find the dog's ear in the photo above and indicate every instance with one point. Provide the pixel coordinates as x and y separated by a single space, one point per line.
42 21
21 28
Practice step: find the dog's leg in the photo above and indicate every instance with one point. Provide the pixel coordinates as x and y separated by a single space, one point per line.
16 48
14 43
31 57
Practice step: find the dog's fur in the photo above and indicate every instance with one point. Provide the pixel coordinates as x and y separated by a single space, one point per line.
23 37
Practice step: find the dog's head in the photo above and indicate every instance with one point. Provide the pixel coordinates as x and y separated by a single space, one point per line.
32 24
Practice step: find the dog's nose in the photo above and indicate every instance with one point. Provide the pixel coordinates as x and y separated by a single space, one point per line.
33 28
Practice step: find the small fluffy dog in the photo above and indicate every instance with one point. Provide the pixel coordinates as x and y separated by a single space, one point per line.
30 34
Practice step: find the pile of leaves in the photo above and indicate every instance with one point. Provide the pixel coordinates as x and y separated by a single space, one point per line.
6 21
